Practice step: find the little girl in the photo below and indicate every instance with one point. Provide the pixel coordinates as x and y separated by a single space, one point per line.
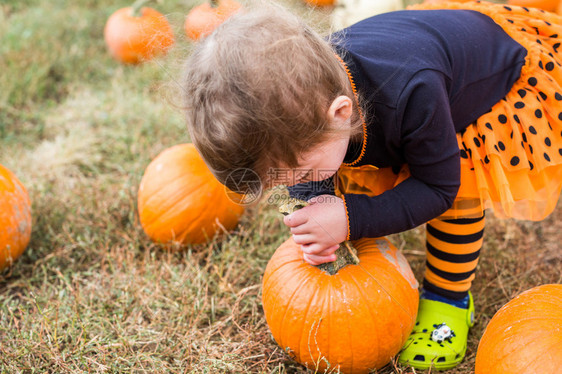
410 117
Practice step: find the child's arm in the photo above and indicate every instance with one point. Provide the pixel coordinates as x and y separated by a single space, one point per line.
423 132
425 135
404 207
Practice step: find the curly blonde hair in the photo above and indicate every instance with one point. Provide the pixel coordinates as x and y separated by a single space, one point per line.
257 91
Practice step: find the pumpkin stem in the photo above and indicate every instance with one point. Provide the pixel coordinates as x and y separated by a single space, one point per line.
346 254
136 7
214 3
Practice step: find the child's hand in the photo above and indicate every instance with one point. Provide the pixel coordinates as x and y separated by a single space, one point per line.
319 228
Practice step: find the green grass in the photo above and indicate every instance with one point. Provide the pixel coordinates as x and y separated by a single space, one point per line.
92 293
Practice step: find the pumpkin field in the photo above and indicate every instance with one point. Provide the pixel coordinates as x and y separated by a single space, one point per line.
92 292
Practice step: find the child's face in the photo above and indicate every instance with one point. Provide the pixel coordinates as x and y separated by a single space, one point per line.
322 161
319 163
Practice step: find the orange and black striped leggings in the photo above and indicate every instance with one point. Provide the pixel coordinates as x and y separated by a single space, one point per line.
453 247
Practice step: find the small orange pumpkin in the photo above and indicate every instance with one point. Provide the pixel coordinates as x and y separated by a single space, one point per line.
320 3
353 321
15 218
444 1
525 335
205 18
549 5
179 199
136 35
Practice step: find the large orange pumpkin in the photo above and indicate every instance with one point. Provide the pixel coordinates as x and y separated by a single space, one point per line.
549 5
15 218
133 38
354 321
205 18
525 335
180 200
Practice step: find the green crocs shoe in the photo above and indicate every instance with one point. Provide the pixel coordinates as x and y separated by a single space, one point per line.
439 337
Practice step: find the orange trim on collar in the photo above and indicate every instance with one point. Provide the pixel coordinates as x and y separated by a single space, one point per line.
347 216
364 143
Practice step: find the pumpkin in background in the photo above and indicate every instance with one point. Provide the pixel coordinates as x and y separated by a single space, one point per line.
445 1
136 34
355 320
549 5
525 335
15 218
180 200
322 2
205 18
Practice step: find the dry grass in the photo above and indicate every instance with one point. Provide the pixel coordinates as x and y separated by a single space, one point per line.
92 293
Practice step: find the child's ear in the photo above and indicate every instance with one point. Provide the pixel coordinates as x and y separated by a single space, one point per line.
340 110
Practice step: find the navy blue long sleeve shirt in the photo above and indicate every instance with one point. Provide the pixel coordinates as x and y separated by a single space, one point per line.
423 76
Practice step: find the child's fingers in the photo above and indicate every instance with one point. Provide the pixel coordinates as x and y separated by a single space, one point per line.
300 230
318 249
317 260
303 239
296 218
329 251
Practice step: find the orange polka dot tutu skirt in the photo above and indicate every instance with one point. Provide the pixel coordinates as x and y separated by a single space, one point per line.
511 157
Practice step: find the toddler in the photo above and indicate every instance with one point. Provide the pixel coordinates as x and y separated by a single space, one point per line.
422 116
